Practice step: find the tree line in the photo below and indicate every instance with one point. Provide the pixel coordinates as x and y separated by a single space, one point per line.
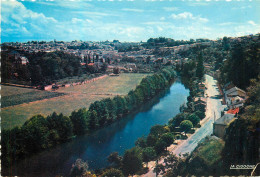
152 146
39 132
42 68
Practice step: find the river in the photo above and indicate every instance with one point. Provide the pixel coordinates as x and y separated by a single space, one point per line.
118 136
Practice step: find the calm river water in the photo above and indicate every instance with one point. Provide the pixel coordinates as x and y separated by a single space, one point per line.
118 137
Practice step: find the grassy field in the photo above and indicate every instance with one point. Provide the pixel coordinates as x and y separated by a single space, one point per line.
76 97
11 96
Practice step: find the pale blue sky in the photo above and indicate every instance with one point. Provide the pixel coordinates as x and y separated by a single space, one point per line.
127 20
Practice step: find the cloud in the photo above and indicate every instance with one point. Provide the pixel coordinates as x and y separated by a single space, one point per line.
66 4
162 18
252 23
188 16
227 23
198 3
93 14
156 23
170 8
132 10
18 21
241 7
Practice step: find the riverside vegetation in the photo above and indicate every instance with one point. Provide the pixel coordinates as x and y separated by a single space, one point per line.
39 132
160 137
214 156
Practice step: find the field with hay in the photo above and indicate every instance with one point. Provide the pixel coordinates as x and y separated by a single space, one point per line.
73 98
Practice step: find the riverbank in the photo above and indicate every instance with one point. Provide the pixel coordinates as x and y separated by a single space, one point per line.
39 132
119 136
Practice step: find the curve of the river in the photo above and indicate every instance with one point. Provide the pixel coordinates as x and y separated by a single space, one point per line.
118 136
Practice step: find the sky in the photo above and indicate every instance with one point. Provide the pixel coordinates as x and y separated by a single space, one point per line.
127 20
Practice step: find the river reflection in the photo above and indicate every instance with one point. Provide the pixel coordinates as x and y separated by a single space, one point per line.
118 136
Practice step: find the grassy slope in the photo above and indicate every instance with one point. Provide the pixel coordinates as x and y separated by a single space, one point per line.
205 159
78 97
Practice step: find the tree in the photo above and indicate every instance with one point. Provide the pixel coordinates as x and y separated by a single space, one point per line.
61 124
112 173
93 120
168 138
132 161
151 140
200 67
115 159
79 121
116 70
200 114
177 119
194 119
141 142
79 168
157 130
35 133
104 67
160 146
158 169
186 126
148 154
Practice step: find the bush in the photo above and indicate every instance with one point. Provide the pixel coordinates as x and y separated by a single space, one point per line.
112 173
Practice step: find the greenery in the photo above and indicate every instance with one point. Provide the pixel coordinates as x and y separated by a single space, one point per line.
28 97
39 133
43 67
186 126
200 67
76 97
112 173
132 161
205 160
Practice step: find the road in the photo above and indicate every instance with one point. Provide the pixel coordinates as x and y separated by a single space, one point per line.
214 106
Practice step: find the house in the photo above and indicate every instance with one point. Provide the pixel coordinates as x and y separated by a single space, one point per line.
234 97
24 61
233 111
130 66
219 126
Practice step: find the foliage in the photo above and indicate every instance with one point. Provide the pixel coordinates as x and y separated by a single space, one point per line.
148 154
79 121
28 97
112 173
42 68
141 142
194 119
132 161
241 134
186 126
61 124
115 159
79 168
168 138
244 55
200 114
160 146
157 130
177 119
40 133
205 160
200 67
